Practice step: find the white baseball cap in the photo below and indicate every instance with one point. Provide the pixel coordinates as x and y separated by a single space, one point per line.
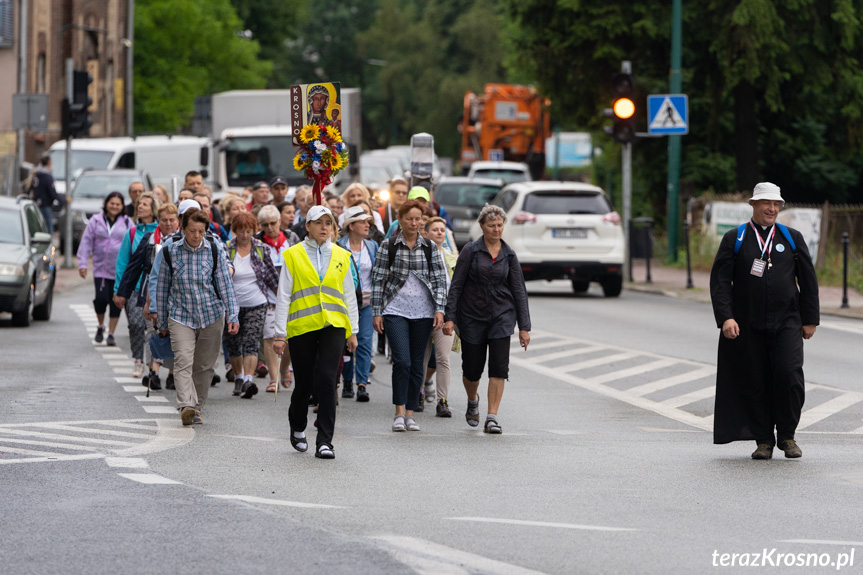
316 212
766 191
187 205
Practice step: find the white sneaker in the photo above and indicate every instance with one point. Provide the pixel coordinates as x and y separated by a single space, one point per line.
430 391
138 370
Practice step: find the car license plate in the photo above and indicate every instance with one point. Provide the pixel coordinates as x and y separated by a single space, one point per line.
577 233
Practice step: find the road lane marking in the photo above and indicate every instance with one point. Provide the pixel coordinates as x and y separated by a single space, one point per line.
579 365
855 328
135 388
21 432
65 427
429 558
71 446
823 410
127 462
692 397
160 409
566 353
151 399
661 384
823 542
149 478
637 370
256 438
563 431
128 380
541 524
34 452
278 502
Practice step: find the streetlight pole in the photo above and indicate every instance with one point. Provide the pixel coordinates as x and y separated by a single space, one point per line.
22 83
130 47
674 141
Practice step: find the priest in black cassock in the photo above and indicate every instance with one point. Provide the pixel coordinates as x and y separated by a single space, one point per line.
765 300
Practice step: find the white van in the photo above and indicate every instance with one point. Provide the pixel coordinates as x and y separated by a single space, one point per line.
163 157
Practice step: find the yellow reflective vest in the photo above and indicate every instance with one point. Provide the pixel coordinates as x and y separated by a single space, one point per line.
316 303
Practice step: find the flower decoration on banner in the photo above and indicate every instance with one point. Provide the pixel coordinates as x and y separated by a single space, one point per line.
321 155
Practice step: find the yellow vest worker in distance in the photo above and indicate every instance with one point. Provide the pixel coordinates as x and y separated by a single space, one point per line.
316 311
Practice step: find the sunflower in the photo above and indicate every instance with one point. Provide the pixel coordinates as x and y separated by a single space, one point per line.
310 132
336 162
334 134
299 164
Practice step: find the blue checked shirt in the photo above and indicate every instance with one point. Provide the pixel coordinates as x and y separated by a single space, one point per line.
188 296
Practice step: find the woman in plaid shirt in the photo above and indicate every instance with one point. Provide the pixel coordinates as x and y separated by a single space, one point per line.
192 301
408 299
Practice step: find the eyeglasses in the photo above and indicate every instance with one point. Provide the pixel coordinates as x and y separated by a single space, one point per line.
273 223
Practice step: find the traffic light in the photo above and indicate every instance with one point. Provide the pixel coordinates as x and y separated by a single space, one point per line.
76 119
622 109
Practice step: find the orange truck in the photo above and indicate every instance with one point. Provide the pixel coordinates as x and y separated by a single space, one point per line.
507 122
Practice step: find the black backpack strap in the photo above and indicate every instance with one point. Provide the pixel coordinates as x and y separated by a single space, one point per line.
215 252
391 252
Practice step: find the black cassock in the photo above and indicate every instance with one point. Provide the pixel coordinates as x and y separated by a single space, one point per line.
759 375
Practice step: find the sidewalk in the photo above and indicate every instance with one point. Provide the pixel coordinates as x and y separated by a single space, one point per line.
672 282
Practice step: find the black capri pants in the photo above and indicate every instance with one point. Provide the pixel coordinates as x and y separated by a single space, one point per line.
473 358
105 297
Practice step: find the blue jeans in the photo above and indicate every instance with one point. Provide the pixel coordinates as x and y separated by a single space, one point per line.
363 354
48 214
408 340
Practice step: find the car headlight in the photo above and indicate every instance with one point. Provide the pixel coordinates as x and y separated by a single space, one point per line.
11 270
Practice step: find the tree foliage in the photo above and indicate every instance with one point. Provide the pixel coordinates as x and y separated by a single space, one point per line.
184 49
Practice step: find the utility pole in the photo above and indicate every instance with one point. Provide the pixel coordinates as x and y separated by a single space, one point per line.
130 46
67 232
674 141
626 175
22 85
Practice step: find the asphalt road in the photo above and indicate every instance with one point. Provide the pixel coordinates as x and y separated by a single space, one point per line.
605 466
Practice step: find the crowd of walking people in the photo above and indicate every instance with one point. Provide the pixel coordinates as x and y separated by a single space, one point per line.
299 292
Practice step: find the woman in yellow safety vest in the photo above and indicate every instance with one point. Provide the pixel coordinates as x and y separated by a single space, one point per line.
316 311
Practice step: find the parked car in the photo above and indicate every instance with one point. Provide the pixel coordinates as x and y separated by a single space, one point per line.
88 196
563 230
463 198
27 267
509 172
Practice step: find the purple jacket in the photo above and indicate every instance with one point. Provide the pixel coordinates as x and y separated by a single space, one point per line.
103 244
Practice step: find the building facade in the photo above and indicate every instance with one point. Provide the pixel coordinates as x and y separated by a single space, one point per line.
93 33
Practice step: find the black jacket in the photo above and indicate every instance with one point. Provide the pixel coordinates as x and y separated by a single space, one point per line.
42 189
487 295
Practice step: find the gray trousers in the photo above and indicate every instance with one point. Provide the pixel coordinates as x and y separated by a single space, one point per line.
137 326
195 353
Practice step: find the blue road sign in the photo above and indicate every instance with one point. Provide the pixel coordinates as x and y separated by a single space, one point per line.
668 114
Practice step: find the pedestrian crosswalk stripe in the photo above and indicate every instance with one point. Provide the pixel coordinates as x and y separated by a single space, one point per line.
637 370
127 462
679 396
135 388
127 380
75 440
151 399
160 409
661 384
149 478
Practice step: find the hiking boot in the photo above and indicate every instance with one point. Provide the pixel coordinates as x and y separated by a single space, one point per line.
238 387
100 334
169 381
764 451
248 390
187 415
362 394
791 449
348 390
154 382
197 420
442 409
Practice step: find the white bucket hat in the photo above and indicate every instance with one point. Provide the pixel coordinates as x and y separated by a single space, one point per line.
355 214
766 191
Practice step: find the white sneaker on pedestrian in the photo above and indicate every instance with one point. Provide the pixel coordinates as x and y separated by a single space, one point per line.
138 370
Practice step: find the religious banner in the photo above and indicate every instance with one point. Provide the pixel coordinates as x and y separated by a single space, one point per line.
316 128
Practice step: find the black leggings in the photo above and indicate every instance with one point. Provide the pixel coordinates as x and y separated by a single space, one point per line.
105 297
316 356
473 358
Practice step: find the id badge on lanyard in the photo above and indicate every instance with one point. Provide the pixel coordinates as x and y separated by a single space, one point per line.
758 264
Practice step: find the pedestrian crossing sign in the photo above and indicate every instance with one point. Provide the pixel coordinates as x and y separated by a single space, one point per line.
668 114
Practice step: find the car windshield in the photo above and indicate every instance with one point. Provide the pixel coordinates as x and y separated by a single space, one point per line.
473 195
81 160
566 202
100 185
254 159
11 230
508 176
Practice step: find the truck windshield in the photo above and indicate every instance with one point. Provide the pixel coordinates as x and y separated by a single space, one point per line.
81 160
253 159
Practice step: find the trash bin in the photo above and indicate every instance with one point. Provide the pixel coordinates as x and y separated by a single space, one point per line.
641 238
